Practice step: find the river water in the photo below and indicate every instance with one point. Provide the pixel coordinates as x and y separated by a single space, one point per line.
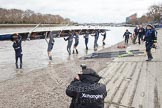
35 51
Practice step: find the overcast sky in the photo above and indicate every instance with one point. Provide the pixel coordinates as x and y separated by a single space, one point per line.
82 11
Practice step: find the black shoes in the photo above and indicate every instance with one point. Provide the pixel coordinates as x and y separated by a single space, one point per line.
149 59
73 52
104 43
17 67
20 66
76 51
86 48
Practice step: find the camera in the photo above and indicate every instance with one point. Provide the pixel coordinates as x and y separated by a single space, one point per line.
83 66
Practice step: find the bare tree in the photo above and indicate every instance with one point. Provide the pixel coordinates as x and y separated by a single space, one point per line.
153 15
154 11
16 16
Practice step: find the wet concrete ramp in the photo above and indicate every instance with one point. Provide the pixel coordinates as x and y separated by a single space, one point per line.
131 84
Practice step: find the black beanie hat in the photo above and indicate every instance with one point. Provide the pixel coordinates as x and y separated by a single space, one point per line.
91 72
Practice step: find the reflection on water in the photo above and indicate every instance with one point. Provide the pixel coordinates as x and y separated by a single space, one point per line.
35 52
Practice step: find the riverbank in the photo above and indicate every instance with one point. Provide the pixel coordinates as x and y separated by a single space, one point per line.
29 25
35 52
45 87
133 82
130 81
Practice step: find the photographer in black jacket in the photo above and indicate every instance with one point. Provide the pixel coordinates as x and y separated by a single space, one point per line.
85 90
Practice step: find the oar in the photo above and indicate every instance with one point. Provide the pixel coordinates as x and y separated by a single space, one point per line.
80 31
62 30
28 38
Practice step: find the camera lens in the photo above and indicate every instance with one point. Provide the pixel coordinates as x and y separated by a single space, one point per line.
83 66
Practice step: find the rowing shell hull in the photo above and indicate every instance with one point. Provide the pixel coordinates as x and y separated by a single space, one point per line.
59 31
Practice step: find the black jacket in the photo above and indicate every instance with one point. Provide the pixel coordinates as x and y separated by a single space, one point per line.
17 46
87 92
141 31
136 31
126 34
150 35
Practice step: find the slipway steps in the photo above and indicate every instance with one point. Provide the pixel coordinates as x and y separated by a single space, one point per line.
131 84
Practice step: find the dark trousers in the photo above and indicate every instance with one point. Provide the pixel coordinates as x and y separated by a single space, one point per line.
140 37
18 57
69 48
75 47
95 43
86 43
126 40
148 49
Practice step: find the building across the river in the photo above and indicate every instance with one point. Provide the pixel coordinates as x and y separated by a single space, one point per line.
131 19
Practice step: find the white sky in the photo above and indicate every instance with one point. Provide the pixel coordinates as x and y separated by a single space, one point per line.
89 11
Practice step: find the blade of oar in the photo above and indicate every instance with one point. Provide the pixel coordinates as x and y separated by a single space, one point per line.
28 38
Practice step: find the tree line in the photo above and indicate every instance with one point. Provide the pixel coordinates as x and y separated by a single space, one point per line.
153 15
17 16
